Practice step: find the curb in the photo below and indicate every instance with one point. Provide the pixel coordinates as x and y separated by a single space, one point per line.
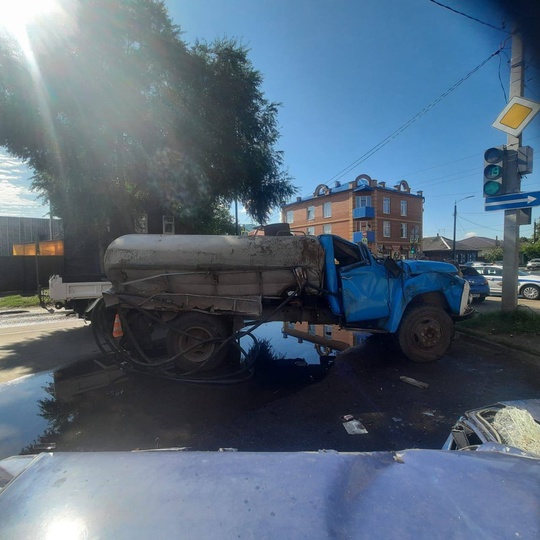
526 355
14 312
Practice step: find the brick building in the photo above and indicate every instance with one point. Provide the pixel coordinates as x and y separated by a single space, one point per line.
387 219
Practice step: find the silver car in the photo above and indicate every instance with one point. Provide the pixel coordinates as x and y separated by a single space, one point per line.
528 286
533 264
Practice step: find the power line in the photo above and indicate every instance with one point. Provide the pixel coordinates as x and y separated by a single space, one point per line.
476 155
500 80
479 225
469 17
412 120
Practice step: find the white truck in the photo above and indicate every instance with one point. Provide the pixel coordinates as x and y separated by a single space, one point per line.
178 302
79 297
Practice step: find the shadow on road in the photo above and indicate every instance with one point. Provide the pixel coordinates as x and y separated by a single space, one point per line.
44 349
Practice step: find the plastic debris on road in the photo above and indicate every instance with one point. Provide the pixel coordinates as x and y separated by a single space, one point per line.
414 382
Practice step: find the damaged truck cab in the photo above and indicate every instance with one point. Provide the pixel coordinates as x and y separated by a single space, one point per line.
195 292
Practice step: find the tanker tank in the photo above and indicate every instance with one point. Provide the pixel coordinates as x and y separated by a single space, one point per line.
212 265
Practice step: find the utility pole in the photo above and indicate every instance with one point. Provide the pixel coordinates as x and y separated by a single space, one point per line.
511 226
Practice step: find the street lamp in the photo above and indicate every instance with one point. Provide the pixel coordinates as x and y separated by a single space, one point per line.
455 218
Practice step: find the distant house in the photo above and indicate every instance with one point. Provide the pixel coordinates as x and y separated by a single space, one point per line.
482 244
439 248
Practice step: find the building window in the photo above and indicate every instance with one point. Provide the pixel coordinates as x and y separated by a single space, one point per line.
141 224
311 329
363 201
386 229
290 216
403 208
403 230
327 229
311 231
386 205
361 226
328 331
168 225
310 213
327 209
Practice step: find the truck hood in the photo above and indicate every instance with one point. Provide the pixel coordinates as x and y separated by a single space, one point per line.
421 267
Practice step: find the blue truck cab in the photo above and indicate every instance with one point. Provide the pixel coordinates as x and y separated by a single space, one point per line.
415 300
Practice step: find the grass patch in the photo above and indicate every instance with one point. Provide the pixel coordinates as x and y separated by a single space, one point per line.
519 321
17 301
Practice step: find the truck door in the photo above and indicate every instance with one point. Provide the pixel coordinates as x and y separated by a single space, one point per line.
360 285
365 293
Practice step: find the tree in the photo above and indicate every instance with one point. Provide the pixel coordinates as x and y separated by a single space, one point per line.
531 250
494 254
117 116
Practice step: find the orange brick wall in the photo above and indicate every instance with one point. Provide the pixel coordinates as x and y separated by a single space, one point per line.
343 224
340 220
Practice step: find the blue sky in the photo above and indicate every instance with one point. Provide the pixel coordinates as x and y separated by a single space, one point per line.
350 73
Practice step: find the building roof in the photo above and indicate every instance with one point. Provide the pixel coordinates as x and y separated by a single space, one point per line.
361 183
440 243
481 242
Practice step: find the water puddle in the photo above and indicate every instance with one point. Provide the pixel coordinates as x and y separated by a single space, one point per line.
93 405
21 417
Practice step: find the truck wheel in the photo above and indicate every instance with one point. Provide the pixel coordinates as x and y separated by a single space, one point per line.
201 336
425 333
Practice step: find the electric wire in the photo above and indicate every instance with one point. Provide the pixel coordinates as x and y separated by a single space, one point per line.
469 17
412 120
500 80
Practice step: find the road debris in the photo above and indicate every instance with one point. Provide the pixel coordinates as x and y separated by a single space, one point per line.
414 382
354 427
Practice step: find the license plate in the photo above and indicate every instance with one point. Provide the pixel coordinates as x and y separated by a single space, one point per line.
475 295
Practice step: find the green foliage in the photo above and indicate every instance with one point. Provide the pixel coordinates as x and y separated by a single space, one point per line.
494 254
117 116
15 301
531 250
518 321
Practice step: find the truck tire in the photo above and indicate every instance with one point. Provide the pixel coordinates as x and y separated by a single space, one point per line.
191 328
425 333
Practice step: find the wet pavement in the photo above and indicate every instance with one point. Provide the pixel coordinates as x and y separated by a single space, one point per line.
294 401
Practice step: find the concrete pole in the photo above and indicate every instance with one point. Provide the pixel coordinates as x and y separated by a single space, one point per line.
511 227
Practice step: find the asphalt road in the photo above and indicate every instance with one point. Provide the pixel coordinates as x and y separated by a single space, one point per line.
32 341
288 408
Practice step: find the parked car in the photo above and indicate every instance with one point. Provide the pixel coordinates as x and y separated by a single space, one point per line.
533 264
478 283
476 264
528 286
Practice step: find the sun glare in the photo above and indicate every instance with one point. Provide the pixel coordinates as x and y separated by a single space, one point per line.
15 15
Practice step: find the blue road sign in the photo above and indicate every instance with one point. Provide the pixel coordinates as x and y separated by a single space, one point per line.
513 200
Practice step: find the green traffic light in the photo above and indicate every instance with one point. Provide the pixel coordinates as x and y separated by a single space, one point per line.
492 188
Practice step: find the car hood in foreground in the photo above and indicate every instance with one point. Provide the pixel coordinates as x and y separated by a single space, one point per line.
168 494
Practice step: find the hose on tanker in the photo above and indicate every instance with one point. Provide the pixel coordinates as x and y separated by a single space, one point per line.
108 345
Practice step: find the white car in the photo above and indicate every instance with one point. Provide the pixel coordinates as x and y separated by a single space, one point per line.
528 286
533 264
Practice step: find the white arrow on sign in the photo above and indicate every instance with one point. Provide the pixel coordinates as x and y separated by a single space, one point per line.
513 201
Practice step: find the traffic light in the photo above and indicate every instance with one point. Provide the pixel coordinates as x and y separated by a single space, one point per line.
494 171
